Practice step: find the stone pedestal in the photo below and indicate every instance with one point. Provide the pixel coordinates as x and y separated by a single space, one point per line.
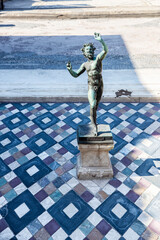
94 161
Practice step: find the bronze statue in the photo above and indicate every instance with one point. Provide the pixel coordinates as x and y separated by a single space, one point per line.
94 70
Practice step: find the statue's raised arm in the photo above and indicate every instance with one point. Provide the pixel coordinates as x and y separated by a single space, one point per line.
102 54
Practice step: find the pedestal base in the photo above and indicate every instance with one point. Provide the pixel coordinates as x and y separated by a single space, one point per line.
94 160
86 173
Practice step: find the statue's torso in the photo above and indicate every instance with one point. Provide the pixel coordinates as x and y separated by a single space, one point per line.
94 71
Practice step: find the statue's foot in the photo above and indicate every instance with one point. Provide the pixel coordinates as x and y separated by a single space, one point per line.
95 130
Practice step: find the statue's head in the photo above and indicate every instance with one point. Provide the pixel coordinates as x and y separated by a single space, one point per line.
88 50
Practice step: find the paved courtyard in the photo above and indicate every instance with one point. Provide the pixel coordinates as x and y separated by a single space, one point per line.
40 195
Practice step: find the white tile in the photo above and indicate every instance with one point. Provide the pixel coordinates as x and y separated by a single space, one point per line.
131 235
35 188
43 155
72 182
31 155
59 234
20 188
135 177
14 165
58 138
32 170
10 176
68 155
60 123
113 235
22 210
119 156
120 176
109 120
153 170
94 218
157 163
24 138
5 142
93 187
140 120
74 142
145 218
65 188
3 201
5 155
77 235
120 166
6 234
46 120
123 189
109 189
94 203
25 232
147 142
128 138
45 218
47 202
40 142
70 210
77 120
133 166
119 210
15 120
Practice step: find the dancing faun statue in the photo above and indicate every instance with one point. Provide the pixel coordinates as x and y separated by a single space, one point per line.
94 70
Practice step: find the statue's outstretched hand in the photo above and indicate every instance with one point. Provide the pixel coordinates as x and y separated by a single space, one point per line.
97 36
69 66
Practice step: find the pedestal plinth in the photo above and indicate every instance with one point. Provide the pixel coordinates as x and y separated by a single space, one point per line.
94 161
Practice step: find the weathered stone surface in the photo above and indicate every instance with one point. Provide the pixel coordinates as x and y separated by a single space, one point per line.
94 160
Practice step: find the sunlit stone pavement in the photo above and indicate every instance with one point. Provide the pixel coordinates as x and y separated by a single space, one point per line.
40 195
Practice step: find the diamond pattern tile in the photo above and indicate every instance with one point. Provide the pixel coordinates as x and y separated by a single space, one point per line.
39 188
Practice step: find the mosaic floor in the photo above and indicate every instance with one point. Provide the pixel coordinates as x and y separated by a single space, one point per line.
40 196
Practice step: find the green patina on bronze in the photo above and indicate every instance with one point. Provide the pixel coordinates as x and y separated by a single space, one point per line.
94 70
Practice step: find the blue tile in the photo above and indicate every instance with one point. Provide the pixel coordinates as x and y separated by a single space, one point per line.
56 195
129 183
135 106
138 227
10 195
58 182
139 143
4 169
2 181
143 170
34 226
147 121
66 143
120 143
70 224
70 120
14 141
102 119
39 120
11 125
28 180
50 106
86 227
31 143
20 106
123 223
107 106
35 209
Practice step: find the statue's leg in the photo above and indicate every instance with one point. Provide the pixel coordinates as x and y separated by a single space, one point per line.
92 97
99 95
